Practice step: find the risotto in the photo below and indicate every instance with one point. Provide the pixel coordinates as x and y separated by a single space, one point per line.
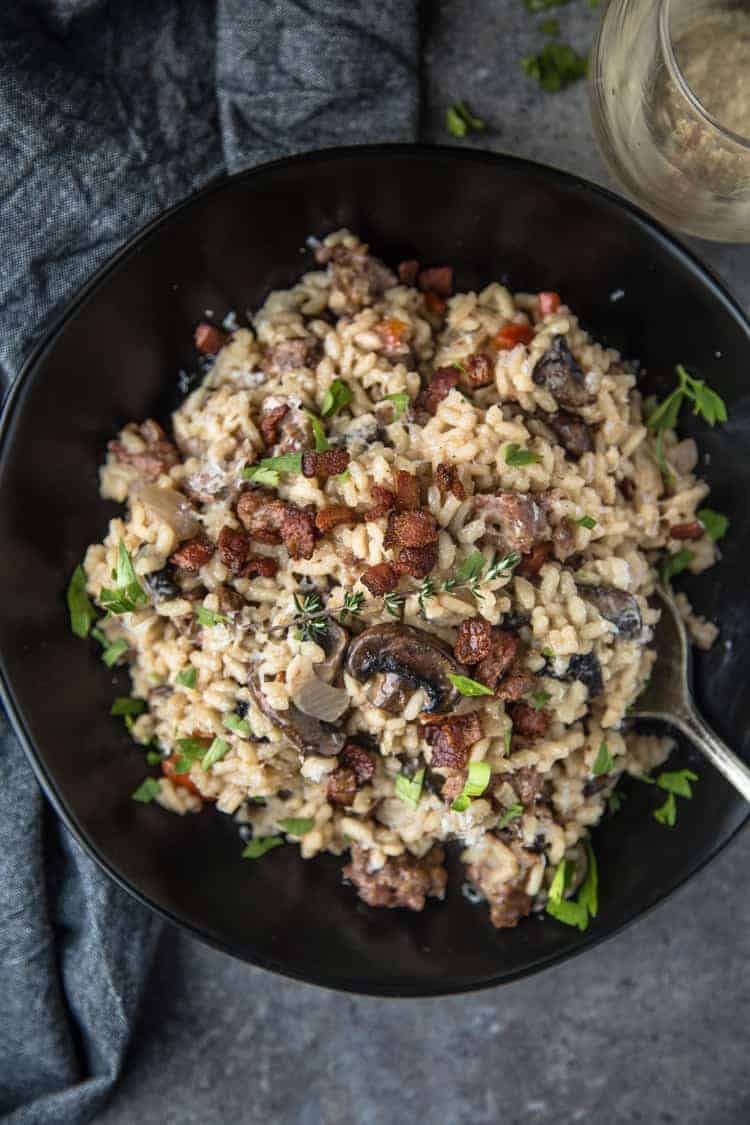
385 586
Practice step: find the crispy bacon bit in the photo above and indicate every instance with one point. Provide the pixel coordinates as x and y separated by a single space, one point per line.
515 685
261 512
380 579
158 457
414 529
692 530
434 303
392 332
417 561
407 271
532 563
323 465
512 335
474 641
260 566
407 491
288 355
298 532
233 548
549 302
270 419
527 721
451 740
342 786
564 539
208 339
479 369
385 501
403 880
334 516
193 553
438 388
437 279
447 479
360 760
503 650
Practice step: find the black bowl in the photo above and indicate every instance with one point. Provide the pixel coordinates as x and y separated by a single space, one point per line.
115 356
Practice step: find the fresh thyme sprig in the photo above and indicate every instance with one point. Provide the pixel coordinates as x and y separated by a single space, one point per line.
311 617
352 606
426 590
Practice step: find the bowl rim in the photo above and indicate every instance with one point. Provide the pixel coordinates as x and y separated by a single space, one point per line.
44 345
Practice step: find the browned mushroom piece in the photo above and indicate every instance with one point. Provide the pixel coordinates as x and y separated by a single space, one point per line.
572 432
520 519
308 735
558 372
418 658
616 606
334 641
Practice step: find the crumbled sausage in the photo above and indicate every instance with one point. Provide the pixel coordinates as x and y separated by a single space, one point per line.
356 277
509 906
342 786
336 515
558 372
403 880
519 516
447 479
452 739
564 539
261 513
503 650
532 563
270 420
385 501
327 464
234 547
479 369
380 579
407 271
474 641
439 387
209 340
572 432
414 529
260 566
288 355
158 457
407 491
437 279
417 561
692 530
527 721
194 553
298 532
356 758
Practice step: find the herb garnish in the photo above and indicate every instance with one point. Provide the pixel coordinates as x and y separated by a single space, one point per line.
556 65
604 761
296 825
468 686
216 751
128 705
426 590
500 566
715 523
468 574
409 789
82 612
319 434
147 791
256 848
400 402
268 469
209 618
586 521
239 726
311 617
706 403
459 120
336 398
189 750
127 594
510 814
675 564
113 652
186 677
476 782
393 603
575 912
515 455
675 782
539 699
615 802
352 605
153 757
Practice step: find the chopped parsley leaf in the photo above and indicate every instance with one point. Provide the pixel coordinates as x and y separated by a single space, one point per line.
476 782
238 725
147 791
467 686
296 825
190 749
586 521
539 699
677 782
667 813
536 6
336 398
113 652
604 761
516 456
513 813
319 434
715 523
216 751
267 470
257 848
186 677
208 618
555 66
409 789
675 564
400 402
153 757
82 612
550 27
127 594
459 120
578 911
128 705
615 802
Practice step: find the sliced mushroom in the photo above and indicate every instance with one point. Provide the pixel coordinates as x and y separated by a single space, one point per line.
389 693
310 736
419 659
572 432
616 606
585 668
559 373
334 641
520 518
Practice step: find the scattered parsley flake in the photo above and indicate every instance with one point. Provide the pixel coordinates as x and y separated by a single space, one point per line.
127 593
409 789
604 761
667 813
459 120
208 618
113 652
400 402
615 802
675 564
476 782
267 471
586 521
239 726
539 699
153 757
186 677
296 825
513 813
555 66
319 433
578 911
128 705
467 686
706 403
189 750
677 781
216 751
257 848
147 791
715 524
82 612
262 475
336 398
536 6
516 456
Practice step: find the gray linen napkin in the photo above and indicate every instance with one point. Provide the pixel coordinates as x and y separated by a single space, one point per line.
111 110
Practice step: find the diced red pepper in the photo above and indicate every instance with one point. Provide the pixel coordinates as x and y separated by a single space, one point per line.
511 335
549 302
692 530
181 779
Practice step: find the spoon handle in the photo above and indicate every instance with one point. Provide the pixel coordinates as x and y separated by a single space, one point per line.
700 733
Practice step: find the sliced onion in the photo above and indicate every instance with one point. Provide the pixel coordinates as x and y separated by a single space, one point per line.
170 506
321 701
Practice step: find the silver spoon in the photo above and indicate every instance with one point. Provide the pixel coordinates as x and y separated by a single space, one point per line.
669 698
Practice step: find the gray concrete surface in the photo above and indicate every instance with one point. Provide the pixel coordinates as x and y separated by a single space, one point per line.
650 1027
